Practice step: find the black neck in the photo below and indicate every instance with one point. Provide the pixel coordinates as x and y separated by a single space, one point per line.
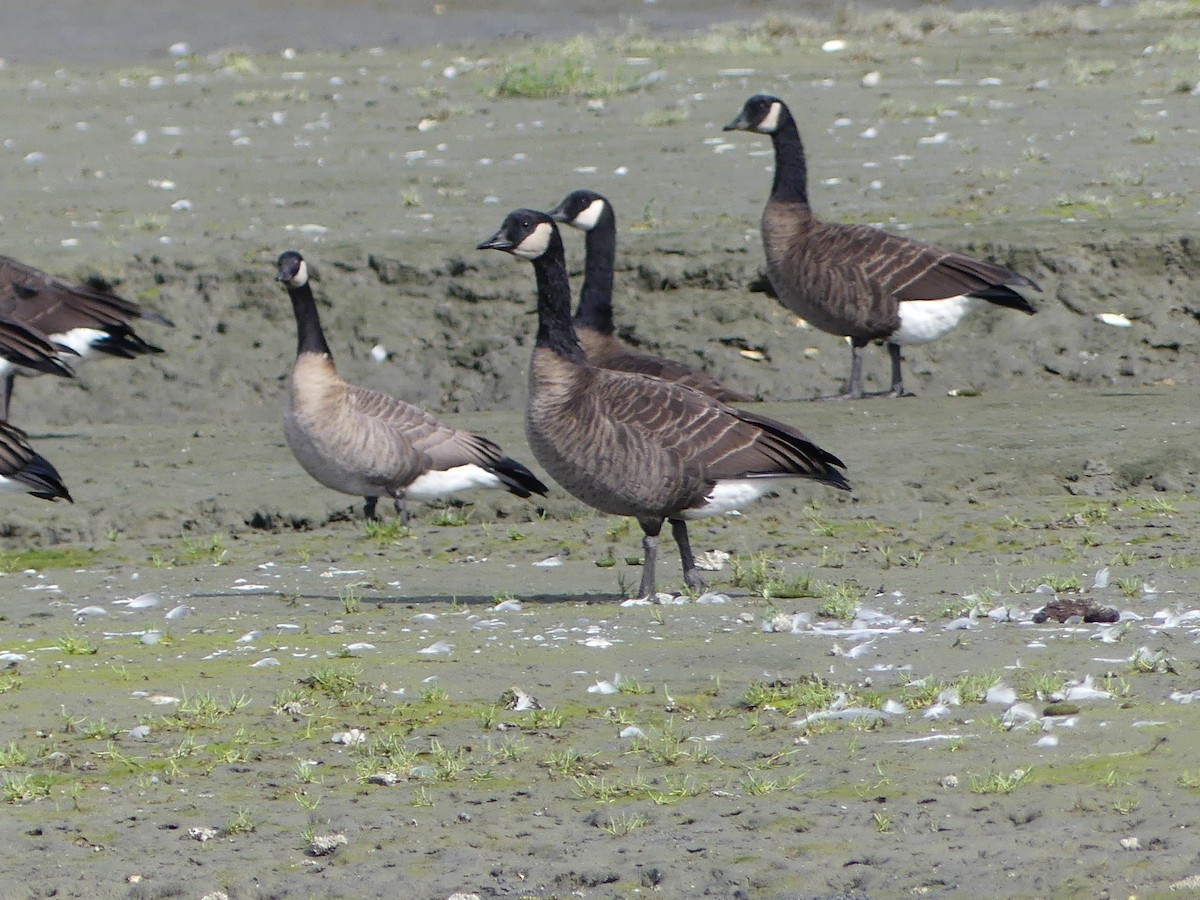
308 323
595 299
555 331
791 171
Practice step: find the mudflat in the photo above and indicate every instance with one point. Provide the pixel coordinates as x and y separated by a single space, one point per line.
220 680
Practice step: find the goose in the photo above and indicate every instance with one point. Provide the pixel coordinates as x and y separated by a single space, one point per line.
593 214
633 445
855 280
366 443
82 319
24 471
25 349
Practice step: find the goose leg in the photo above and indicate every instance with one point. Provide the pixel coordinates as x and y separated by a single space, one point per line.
691 575
651 528
897 380
854 388
401 507
369 508
9 380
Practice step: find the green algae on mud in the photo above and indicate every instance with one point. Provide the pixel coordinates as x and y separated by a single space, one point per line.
301 626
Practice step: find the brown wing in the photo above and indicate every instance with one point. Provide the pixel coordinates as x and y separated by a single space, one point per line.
850 279
55 306
19 462
402 425
636 445
31 349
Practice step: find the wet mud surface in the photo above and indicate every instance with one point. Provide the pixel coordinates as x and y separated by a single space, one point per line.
863 704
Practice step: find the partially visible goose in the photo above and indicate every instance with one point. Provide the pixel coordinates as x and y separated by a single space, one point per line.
25 349
632 445
855 280
592 213
83 319
24 471
363 442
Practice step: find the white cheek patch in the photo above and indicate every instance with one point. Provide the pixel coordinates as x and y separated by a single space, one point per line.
300 279
771 120
587 219
928 320
536 243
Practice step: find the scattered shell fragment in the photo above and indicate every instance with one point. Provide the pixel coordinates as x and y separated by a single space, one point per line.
1115 319
871 79
516 699
550 562
712 560
387 779
325 844
1002 694
265 663
139 732
1131 843
948 781
90 611
148 600
437 648
202 832
350 738
834 45
179 612
1085 690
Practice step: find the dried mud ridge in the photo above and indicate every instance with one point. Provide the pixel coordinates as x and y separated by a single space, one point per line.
458 331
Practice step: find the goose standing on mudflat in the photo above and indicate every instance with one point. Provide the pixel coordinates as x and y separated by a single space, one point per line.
855 280
593 214
359 441
24 471
633 445
80 318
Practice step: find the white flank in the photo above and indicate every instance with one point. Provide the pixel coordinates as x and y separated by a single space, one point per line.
729 495
928 320
587 219
436 485
300 279
79 339
771 120
536 243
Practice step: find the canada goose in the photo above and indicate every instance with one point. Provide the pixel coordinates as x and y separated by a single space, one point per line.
29 349
81 318
593 214
24 471
855 280
633 445
363 442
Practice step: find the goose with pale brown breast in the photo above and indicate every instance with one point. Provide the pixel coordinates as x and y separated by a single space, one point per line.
593 214
855 280
366 443
83 320
24 471
634 445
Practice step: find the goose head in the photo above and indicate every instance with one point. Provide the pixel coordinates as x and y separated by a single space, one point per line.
580 209
760 114
526 233
292 269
